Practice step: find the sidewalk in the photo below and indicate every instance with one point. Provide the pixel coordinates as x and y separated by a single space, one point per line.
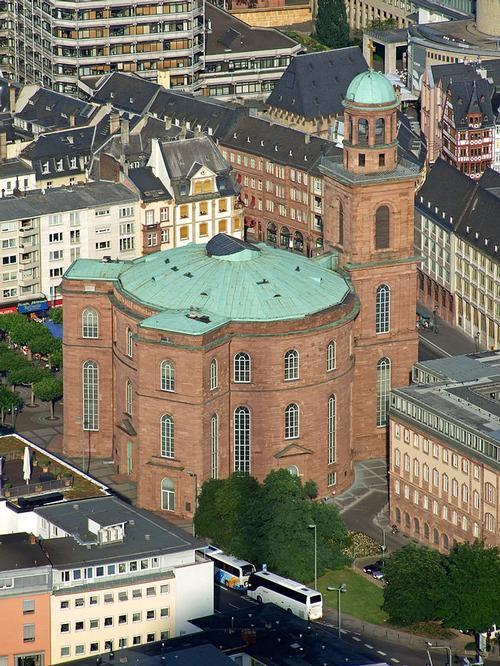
399 636
448 341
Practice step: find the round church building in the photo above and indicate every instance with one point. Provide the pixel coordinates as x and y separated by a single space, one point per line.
204 360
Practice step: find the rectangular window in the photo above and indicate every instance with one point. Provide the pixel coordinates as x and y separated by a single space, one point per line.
94 600
127 211
94 624
150 217
64 627
332 478
151 591
150 615
164 215
108 598
28 606
28 633
164 589
79 625
126 244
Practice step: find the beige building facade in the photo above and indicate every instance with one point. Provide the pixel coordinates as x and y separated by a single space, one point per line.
444 455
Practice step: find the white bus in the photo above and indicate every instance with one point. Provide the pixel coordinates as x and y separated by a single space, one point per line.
267 587
229 571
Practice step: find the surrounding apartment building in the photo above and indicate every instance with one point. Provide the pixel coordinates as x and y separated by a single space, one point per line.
436 81
445 452
457 234
203 190
93 575
468 126
16 176
361 13
43 232
241 60
58 46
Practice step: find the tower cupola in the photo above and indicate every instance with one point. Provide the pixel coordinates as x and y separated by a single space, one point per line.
370 121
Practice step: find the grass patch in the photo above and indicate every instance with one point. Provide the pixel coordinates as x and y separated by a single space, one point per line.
363 598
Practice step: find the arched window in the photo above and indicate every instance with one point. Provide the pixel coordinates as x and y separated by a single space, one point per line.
167 436
291 364
416 526
489 493
213 374
382 228
380 131
298 241
454 488
214 446
242 439
285 237
435 477
406 462
416 467
341 223
383 389
446 542
271 232
425 472
167 494
90 395
383 309
362 132
167 376
130 343
90 323
128 397
291 421
397 458
465 523
407 520
475 499
426 531
398 515
435 535
331 356
293 470
242 368
489 522
445 483
332 429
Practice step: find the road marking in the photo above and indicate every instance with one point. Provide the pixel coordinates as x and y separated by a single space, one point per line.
382 653
218 611
355 638
396 661
233 605
370 647
344 631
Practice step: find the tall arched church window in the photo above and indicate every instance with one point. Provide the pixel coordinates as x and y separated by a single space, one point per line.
382 228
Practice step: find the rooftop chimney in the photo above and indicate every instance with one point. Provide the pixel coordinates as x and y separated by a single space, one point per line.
12 98
3 145
72 120
114 122
125 131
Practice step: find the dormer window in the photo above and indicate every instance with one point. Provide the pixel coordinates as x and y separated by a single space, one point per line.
45 167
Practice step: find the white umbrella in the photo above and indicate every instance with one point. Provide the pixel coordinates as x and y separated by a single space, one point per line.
1 472
26 464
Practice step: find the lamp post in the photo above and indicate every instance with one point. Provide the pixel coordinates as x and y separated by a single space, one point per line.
314 527
194 476
430 646
384 545
339 590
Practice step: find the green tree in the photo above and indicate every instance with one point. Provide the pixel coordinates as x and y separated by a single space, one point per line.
26 375
41 341
56 358
10 361
56 314
8 400
49 389
286 540
206 520
472 599
382 25
331 23
416 582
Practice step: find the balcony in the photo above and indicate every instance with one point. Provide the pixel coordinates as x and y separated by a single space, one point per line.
25 232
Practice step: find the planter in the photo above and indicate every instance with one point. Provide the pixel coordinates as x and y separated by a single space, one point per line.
67 482
38 488
6 493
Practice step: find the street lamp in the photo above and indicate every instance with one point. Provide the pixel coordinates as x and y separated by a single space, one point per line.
194 476
338 590
430 646
384 545
313 527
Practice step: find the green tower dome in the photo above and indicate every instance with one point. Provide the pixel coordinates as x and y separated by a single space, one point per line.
370 88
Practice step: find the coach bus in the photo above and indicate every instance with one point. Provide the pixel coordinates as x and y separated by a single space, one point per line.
229 571
267 587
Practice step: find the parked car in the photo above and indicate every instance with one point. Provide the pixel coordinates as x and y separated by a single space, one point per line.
378 574
375 566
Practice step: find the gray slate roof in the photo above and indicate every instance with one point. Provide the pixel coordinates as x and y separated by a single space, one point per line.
52 110
62 199
314 84
126 91
180 156
150 187
144 532
230 35
471 97
14 167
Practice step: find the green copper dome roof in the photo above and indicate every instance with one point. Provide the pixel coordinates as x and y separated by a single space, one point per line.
370 88
196 287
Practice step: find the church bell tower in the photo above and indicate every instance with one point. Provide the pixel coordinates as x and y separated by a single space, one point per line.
369 221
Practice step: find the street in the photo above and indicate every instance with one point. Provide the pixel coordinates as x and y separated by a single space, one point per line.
376 648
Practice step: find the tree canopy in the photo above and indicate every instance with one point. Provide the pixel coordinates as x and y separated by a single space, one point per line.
269 523
331 24
462 588
49 389
56 314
